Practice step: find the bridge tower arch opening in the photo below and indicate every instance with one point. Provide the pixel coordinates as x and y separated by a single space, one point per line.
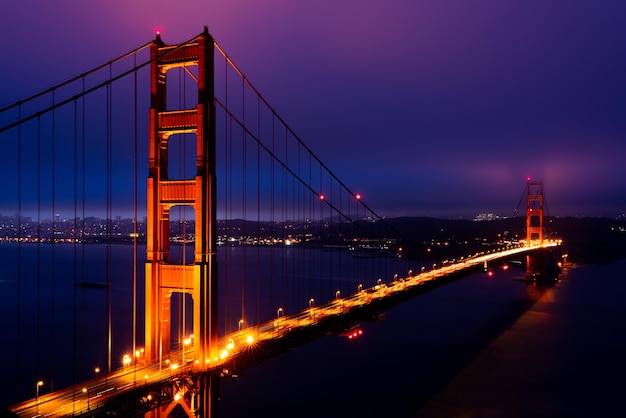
164 276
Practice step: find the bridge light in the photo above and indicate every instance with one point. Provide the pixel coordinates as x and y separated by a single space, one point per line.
358 196
250 339
321 197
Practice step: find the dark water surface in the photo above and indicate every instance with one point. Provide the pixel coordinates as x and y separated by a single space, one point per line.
480 347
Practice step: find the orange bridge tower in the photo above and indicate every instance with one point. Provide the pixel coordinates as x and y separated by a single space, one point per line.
163 277
534 229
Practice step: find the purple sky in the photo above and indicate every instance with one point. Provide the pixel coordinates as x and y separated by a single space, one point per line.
435 107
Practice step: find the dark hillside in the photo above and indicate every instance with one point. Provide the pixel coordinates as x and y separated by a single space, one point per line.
586 240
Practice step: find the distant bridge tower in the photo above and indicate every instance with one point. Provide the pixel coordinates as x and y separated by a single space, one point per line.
534 228
163 278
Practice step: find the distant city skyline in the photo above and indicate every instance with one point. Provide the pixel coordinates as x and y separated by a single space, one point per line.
428 108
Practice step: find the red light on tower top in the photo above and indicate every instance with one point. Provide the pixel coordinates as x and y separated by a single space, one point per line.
321 197
358 196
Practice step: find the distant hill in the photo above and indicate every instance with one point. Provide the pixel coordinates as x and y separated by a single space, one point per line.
586 240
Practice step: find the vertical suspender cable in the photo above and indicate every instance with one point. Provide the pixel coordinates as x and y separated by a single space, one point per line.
258 213
75 378
19 254
184 171
243 202
108 221
52 272
82 229
321 235
38 327
231 276
227 273
272 226
285 223
135 104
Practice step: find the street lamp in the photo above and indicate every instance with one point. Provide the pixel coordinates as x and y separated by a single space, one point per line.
337 294
39 383
240 324
86 391
279 312
126 360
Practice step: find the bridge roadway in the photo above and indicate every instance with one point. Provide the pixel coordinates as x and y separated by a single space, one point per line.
94 394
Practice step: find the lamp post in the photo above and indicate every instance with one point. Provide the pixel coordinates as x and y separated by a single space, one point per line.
240 324
86 391
39 383
311 302
279 312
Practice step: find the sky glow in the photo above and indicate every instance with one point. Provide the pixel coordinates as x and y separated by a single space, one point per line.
438 108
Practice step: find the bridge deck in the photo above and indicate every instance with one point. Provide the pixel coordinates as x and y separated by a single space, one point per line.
94 395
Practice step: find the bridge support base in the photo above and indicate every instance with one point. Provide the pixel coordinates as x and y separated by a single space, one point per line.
192 396
542 265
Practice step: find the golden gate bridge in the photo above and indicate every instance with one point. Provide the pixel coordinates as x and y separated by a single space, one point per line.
128 309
